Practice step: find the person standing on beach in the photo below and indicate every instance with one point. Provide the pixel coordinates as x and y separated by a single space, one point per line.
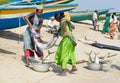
94 19
112 27
65 52
34 21
115 17
106 25
116 21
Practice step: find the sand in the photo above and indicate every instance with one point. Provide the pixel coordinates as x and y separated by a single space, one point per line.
13 70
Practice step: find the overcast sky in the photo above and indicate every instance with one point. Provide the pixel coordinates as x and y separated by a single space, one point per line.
98 4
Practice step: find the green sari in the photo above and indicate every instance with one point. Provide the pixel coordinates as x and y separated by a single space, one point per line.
106 26
65 52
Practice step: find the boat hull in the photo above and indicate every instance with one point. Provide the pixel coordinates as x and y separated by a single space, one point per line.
37 2
79 16
14 17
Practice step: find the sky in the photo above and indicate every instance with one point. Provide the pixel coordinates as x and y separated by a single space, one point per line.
97 4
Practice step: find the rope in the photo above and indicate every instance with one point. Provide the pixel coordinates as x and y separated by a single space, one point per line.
19 23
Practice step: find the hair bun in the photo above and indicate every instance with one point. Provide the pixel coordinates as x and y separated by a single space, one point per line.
59 15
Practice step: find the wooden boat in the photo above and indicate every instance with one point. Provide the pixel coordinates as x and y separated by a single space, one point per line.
14 15
30 2
6 1
40 2
102 17
99 45
79 16
104 46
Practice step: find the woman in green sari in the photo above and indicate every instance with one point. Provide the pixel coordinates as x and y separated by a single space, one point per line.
65 52
106 25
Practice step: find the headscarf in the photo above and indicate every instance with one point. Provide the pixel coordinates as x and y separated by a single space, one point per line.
39 7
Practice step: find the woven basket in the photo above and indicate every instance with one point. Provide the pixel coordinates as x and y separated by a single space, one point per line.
94 66
41 67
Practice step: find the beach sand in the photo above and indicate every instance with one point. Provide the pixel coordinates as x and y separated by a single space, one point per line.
13 70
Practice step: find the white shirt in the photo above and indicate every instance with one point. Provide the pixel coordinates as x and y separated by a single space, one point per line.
115 19
51 23
94 16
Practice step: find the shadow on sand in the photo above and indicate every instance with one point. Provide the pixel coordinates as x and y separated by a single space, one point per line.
83 23
6 52
11 35
115 67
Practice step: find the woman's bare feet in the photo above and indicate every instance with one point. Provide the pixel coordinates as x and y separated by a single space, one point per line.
111 37
63 73
74 68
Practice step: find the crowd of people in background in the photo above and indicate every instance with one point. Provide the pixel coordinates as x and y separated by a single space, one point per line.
111 25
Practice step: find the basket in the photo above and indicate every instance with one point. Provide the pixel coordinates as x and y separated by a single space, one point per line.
41 67
95 66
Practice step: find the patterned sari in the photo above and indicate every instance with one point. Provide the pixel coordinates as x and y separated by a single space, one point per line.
29 44
112 28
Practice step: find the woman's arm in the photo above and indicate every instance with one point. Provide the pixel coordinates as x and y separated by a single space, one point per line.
28 22
38 29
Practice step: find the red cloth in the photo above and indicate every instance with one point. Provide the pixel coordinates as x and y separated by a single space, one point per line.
29 52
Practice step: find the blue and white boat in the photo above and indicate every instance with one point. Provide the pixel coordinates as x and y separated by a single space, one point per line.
13 16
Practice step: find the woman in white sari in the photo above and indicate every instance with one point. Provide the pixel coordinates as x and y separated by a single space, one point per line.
34 21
